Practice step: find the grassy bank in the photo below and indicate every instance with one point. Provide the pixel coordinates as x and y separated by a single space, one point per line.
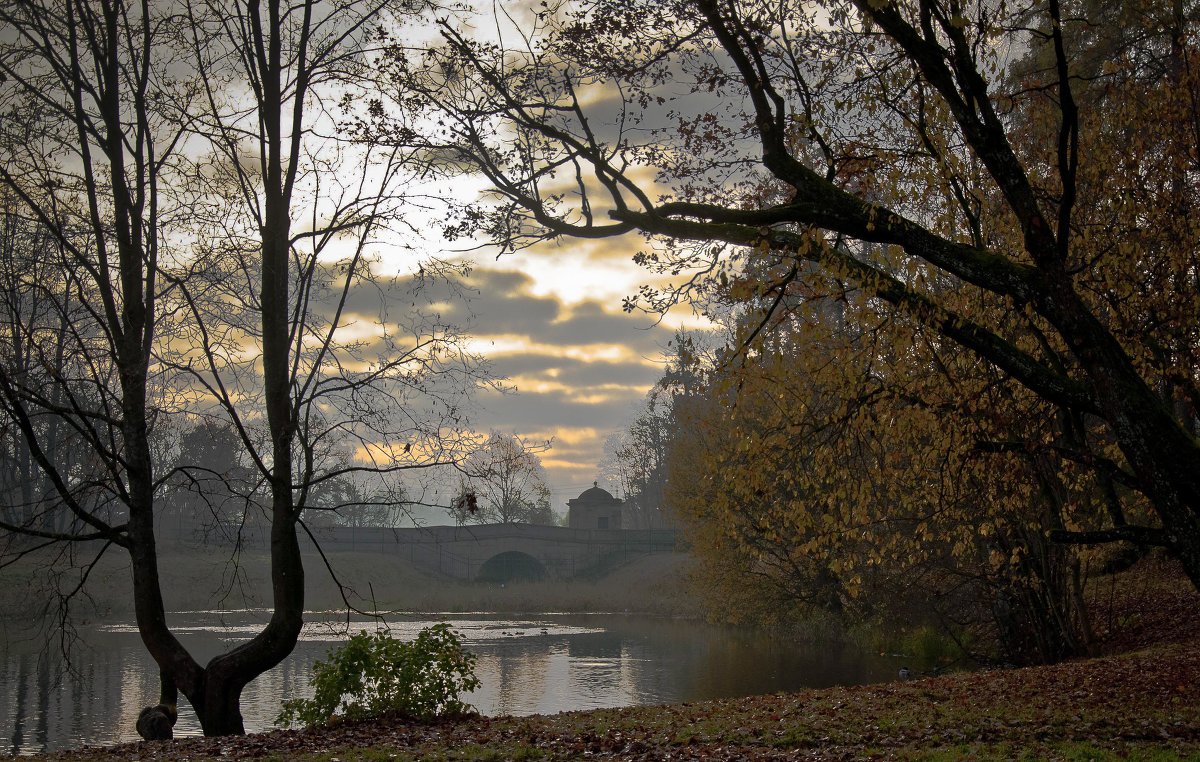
213 579
1141 703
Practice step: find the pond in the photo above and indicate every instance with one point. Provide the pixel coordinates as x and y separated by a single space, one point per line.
535 664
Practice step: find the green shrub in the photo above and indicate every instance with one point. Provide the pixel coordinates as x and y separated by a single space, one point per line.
373 673
930 646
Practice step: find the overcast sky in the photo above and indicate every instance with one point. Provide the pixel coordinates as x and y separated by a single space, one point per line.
551 321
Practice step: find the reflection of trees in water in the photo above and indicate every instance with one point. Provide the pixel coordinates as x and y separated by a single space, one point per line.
596 668
89 701
43 703
734 661
662 661
261 699
18 724
31 701
518 668
634 661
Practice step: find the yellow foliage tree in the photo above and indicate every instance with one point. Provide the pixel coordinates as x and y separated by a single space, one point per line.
836 466
1006 181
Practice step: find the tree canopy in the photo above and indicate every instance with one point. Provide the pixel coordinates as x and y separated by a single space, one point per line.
503 482
977 171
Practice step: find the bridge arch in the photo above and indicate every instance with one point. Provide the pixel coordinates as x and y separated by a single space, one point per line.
458 552
511 566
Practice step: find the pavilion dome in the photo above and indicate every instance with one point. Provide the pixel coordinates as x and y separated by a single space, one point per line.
596 495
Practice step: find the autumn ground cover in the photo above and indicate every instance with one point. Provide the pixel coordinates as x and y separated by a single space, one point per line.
1140 701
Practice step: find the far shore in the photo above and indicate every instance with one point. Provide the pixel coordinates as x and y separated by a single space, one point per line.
216 579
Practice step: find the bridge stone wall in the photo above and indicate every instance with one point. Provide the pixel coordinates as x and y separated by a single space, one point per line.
460 551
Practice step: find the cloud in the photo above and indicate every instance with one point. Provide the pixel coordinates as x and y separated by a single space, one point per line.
579 364
552 410
571 372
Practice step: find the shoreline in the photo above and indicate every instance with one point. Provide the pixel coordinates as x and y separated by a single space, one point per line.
1141 705
1138 699
198 581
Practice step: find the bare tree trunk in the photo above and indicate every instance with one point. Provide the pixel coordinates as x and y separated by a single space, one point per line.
226 675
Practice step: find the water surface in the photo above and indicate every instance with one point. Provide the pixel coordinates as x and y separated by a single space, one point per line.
535 665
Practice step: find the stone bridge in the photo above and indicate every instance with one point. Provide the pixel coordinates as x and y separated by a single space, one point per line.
500 552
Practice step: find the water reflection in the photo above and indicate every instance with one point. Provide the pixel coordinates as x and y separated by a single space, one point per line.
540 665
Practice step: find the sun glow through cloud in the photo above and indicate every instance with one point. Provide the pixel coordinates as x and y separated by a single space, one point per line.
550 319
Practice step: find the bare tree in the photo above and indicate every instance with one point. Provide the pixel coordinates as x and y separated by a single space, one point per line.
504 483
36 304
218 236
210 489
84 161
357 500
636 459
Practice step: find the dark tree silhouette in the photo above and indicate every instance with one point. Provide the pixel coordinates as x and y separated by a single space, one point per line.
884 145
214 235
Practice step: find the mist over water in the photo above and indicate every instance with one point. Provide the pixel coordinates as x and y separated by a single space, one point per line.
535 665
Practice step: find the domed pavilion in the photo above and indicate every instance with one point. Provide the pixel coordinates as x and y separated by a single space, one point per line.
595 508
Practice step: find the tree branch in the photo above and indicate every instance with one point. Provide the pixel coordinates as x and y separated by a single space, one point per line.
1135 534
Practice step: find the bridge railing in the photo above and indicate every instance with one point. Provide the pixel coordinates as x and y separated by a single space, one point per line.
366 538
